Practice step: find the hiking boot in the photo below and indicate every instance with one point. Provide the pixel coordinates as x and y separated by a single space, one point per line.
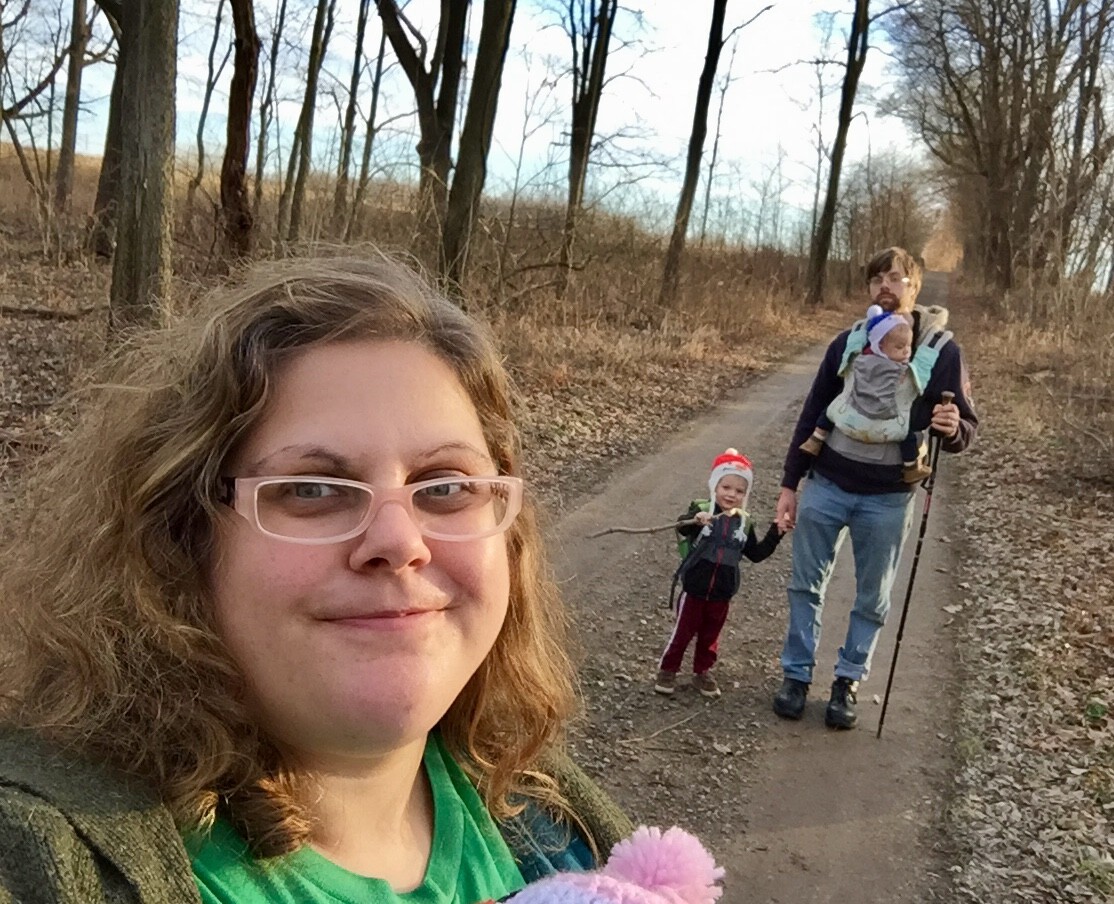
789 701
841 706
665 683
915 471
706 684
812 445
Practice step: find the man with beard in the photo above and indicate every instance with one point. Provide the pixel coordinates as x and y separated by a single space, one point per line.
856 488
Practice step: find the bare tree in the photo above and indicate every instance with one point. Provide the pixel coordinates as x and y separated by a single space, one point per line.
239 223
436 85
370 130
588 24
29 66
292 199
539 111
348 128
885 201
267 107
146 70
475 137
672 269
710 179
1006 97
213 75
102 222
67 148
857 44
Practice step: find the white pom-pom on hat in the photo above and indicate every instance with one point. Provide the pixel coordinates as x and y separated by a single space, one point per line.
732 461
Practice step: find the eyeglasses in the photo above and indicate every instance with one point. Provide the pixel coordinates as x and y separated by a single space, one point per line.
894 278
318 510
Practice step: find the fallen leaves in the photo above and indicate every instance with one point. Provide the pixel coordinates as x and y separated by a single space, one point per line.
1034 792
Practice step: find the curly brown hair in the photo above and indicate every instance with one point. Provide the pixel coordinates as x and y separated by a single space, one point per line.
115 652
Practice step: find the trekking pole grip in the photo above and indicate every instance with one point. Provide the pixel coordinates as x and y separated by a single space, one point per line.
946 398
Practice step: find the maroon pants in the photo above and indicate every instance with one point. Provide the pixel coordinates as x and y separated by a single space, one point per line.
699 618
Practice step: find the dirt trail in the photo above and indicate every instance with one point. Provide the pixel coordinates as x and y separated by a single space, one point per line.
797 813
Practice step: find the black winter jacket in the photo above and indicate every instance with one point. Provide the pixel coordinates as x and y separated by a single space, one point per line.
711 569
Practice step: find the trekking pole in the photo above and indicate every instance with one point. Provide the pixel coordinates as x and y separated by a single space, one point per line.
930 482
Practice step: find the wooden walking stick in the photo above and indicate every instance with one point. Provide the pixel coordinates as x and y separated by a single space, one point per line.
672 525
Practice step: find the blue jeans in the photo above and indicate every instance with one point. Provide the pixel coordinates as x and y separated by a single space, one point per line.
878 525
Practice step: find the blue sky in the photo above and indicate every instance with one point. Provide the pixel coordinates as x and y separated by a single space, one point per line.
771 113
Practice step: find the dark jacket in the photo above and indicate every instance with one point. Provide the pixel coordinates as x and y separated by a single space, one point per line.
74 832
949 374
711 569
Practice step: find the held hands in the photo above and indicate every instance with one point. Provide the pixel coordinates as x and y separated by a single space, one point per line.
786 517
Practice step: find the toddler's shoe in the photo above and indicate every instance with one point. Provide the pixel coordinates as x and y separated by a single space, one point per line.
665 683
812 445
706 684
915 471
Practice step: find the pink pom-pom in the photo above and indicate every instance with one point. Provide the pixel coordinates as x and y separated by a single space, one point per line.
673 864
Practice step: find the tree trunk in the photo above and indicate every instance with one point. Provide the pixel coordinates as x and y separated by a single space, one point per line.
348 130
354 217
322 31
710 179
266 112
238 220
213 74
670 279
589 67
102 226
822 238
141 267
475 137
436 116
63 178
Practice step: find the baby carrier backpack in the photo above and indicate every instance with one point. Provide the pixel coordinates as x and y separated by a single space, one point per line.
690 549
868 415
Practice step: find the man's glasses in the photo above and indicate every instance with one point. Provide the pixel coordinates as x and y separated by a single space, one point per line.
893 278
318 510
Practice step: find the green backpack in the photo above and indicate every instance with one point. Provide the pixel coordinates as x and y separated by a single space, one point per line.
686 547
684 544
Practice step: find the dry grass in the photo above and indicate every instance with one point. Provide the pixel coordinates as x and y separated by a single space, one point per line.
605 365
1054 362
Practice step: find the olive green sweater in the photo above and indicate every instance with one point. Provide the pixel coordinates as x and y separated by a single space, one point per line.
73 831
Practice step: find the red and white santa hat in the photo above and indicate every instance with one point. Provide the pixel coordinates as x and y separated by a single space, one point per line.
730 462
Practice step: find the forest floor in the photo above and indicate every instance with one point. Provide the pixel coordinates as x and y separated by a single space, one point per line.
994 780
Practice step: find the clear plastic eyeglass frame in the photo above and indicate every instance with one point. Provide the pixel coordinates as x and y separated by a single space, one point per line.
893 278
243 495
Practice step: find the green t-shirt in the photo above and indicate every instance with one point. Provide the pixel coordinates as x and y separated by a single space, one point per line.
469 860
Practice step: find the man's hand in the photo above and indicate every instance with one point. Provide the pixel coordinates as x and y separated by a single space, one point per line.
786 509
945 419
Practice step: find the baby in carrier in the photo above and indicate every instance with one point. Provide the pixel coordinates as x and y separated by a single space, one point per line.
878 394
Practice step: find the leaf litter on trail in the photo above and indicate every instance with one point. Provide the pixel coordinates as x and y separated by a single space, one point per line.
1034 787
1033 799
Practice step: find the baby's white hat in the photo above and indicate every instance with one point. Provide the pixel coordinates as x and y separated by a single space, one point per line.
878 323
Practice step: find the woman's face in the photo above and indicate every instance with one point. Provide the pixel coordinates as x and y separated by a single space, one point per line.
357 648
